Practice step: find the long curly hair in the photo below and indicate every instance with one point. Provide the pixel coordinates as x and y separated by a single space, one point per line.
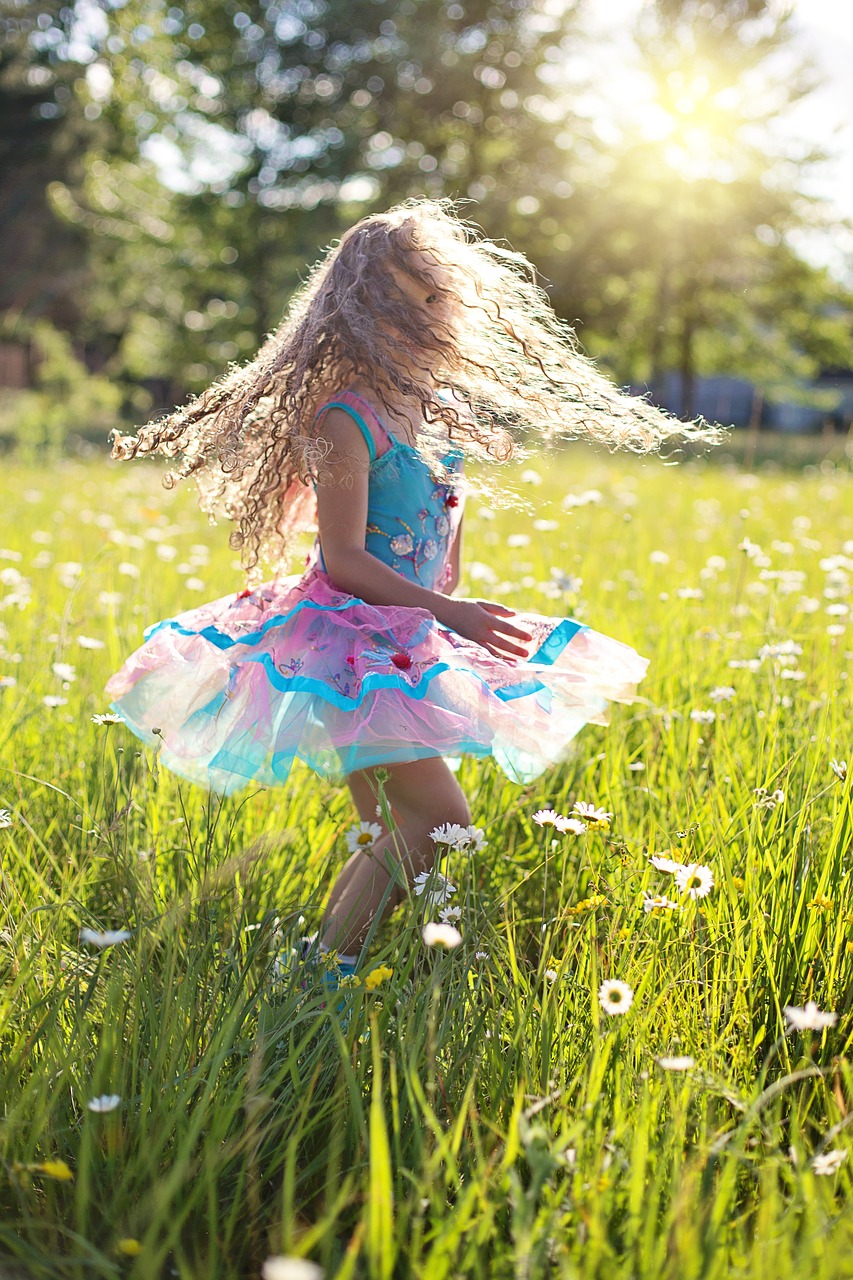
472 319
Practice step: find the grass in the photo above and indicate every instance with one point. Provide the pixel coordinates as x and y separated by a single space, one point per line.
474 1116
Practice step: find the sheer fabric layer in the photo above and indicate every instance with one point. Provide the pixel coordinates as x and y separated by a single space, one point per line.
240 688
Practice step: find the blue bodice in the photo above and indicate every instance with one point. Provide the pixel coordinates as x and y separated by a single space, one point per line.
412 518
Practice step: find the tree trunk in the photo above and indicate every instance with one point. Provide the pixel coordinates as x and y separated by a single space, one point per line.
659 330
687 368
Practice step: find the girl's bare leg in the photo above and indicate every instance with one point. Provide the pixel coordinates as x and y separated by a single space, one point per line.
422 794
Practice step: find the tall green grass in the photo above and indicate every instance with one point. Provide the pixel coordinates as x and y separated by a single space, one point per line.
475 1115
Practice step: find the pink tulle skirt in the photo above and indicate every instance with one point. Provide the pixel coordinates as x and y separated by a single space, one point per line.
234 691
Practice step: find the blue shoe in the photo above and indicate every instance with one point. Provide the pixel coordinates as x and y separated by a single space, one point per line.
332 975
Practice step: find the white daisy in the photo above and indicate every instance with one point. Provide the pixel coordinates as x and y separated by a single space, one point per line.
589 814
441 935
785 649
449 833
475 839
703 717
828 1163
615 996
106 1102
551 975
662 863
110 938
64 670
695 879
839 768
6 819
659 902
436 886
722 693
363 836
53 701
89 642
809 1018
683 1063
571 826
108 717
547 817
449 915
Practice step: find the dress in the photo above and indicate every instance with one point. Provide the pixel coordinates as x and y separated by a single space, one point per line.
296 669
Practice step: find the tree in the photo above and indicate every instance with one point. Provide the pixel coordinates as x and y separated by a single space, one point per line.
687 261
43 132
320 111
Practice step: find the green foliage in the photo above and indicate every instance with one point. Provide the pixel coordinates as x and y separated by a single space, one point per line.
670 227
44 133
474 1116
67 399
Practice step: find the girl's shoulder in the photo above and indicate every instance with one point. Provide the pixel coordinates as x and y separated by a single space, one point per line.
350 415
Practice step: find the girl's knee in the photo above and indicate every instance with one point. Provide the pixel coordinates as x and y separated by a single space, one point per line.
428 790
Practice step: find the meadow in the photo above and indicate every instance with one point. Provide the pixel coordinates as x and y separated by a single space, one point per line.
174 1103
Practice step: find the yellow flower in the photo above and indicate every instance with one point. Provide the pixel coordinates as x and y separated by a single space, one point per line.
349 980
129 1247
738 883
380 974
57 1169
626 932
586 904
849 948
820 902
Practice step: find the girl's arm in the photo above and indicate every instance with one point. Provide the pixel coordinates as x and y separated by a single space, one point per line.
342 521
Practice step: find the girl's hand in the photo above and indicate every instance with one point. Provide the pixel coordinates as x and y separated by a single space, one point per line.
486 624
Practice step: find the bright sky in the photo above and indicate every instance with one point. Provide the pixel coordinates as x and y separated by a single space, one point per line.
825 35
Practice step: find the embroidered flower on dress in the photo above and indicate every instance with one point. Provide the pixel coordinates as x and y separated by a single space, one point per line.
442 525
402 545
401 661
451 500
429 549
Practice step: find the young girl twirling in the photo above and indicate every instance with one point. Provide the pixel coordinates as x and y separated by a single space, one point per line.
413 343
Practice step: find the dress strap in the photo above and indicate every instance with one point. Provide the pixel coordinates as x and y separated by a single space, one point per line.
362 413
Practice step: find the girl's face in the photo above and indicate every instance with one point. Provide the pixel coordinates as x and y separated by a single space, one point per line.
438 314
431 293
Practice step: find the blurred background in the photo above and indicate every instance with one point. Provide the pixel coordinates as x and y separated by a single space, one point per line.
680 172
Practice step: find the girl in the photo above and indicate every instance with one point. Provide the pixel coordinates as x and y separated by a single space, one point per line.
413 343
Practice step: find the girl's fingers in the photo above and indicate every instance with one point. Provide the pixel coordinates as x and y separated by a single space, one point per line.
497 653
501 611
507 628
502 648
496 608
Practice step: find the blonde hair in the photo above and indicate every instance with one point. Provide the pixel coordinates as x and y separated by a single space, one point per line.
486 329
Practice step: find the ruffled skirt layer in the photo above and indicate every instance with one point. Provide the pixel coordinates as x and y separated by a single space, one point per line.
236 690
